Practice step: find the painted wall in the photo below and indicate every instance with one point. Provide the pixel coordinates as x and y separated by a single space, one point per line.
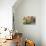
43 22
29 8
6 13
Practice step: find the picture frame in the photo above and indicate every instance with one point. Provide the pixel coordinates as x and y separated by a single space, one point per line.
29 20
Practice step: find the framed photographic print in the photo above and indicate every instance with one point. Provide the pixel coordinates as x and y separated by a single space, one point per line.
29 20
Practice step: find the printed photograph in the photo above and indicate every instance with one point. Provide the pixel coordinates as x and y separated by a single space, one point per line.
29 20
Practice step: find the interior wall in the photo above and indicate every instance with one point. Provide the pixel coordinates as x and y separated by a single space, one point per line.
29 8
43 22
6 13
